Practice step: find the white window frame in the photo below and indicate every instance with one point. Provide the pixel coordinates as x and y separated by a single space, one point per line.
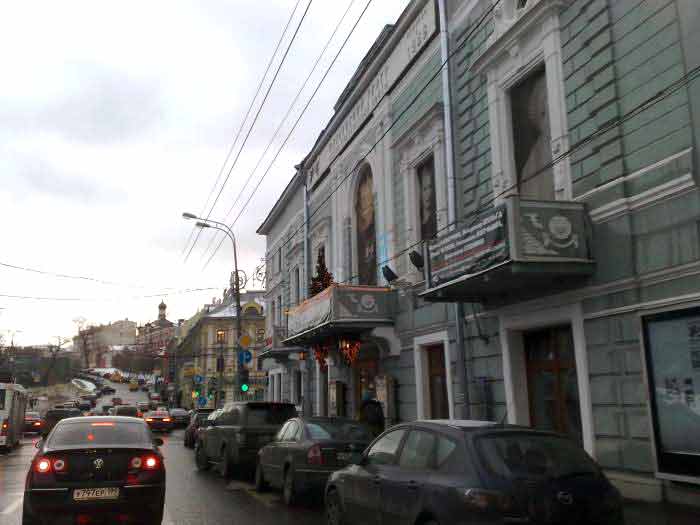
518 47
420 364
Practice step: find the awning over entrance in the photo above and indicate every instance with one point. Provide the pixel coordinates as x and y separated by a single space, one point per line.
521 249
340 310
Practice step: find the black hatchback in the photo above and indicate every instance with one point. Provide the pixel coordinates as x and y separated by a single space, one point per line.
461 472
96 470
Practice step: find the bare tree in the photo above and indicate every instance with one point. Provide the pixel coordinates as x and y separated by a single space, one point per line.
54 350
83 335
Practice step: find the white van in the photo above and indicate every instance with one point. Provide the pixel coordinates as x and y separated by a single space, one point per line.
13 404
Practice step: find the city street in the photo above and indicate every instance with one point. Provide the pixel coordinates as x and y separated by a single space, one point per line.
191 497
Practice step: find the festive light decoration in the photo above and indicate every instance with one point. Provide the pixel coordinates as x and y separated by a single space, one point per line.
321 353
349 349
323 278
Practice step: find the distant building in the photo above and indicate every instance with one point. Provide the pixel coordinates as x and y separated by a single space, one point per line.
155 336
94 343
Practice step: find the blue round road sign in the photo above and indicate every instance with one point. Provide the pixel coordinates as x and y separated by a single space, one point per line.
202 401
247 356
198 379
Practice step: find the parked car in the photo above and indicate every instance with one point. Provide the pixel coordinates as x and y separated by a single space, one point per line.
33 422
179 416
90 398
116 401
133 386
159 420
55 415
232 438
461 472
197 417
84 405
306 451
77 472
127 410
105 409
142 406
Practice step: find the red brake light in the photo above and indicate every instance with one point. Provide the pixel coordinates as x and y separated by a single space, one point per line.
102 424
166 419
3 430
59 465
42 466
150 463
37 424
149 419
314 456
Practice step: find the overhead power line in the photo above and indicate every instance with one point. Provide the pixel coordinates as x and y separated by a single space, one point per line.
255 119
245 119
296 123
108 299
283 121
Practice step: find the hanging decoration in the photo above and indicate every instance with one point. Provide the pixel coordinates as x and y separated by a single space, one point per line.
321 354
349 349
323 278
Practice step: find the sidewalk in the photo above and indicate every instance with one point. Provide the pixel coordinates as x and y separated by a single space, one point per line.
641 513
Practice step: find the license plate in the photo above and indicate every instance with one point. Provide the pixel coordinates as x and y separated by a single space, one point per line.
95 494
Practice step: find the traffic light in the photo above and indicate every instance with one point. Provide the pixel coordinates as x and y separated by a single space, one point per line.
196 393
243 379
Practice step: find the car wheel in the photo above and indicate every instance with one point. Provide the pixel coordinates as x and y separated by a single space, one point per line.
200 457
334 509
225 465
289 495
260 483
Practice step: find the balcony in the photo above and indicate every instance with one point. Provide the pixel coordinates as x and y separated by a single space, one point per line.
340 310
520 250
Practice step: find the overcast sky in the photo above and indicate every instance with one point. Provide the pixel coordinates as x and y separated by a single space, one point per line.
115 117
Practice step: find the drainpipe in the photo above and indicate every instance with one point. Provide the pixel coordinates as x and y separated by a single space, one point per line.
308 387
464 411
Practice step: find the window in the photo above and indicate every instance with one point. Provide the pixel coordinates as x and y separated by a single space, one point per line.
290 433
282 431
426 194
220 337
383 452
296 290
419 451
365 234
445 451
278 261
532 137
279 311
100 433
273 311
297 386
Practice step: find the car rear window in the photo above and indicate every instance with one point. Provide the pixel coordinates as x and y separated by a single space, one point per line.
530 455
32 414
160 414
100 433
63 413
342 430
127 411
270 414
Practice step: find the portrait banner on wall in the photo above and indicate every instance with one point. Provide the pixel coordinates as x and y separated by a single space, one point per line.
672 342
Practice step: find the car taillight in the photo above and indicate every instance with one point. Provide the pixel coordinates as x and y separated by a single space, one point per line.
486 500
166 419
149 419
42 465
139 414
150 463
4 427
135 462
59 465
314 456
144 463
37 423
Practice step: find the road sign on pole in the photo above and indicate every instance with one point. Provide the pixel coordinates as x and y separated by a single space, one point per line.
202 401
198 379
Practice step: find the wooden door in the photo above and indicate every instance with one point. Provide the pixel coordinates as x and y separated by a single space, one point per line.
437 382
552 381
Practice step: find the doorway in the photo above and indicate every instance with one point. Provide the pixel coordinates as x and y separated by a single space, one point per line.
437 383
364 372
552 381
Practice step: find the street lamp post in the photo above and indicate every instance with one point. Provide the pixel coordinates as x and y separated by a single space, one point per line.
223 227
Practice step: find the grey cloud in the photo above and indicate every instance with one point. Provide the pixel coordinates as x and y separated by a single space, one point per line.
107 106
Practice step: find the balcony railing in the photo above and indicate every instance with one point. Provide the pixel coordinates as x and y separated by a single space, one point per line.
519 249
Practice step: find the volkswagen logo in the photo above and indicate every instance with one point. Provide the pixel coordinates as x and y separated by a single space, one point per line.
565 498
99 463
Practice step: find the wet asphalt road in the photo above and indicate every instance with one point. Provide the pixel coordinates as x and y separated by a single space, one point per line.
191 497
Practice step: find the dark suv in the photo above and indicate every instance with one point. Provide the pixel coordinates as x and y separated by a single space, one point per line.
233 437
55 415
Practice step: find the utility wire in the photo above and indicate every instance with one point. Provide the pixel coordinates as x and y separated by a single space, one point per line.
255 119
282 122
296 123
97 299
389 128
245 119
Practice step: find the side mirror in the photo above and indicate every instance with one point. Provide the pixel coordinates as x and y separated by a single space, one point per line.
158 442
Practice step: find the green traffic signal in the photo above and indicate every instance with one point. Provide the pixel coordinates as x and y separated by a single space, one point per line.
244 387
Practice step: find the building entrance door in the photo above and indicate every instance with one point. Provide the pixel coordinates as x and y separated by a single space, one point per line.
437 383
551 380
365 370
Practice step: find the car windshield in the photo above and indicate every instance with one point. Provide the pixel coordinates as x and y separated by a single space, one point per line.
342 430
127 411
269 414
99 433
529 454
32 414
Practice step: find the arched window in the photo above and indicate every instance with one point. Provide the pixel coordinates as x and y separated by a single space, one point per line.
366 238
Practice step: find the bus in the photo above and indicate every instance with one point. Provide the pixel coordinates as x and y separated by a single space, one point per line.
13 404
